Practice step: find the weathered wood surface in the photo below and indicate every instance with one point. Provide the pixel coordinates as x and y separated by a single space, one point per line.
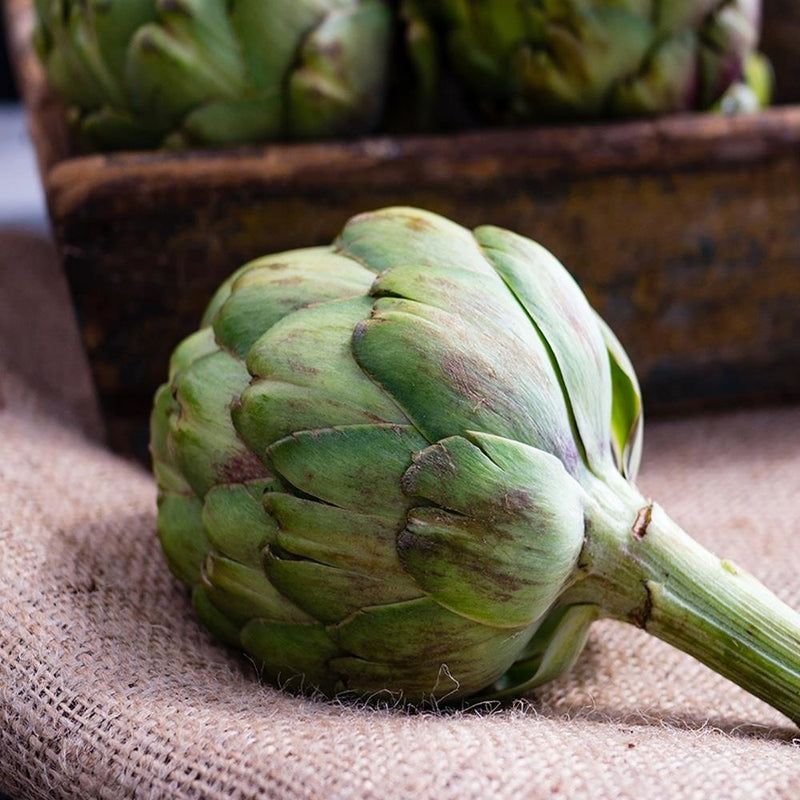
684 233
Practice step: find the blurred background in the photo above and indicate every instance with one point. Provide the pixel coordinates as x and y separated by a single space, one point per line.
7 90
22 204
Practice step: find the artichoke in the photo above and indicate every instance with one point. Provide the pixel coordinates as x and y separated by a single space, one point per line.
149 73
405 463
569 59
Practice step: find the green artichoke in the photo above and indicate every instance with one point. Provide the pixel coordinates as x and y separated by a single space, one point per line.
149 73
569 59
404 463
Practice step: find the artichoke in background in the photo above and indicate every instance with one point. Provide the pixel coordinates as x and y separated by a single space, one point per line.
531 60
150 73
404 462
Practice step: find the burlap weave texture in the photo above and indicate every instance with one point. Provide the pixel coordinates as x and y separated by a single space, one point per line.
109 688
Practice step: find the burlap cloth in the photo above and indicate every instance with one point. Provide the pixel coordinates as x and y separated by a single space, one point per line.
109 688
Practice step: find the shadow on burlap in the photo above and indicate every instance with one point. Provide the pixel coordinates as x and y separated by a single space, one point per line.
109 687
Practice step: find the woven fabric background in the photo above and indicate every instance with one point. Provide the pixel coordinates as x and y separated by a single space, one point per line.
109 688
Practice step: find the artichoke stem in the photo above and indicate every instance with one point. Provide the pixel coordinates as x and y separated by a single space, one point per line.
652 574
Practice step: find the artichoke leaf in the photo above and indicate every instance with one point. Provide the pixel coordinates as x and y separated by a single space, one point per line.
196 345
417 629
269 31
726 43
291 655
505 536
265 291
182 534
553 651
315 256
450 374
358 467
90 61
312 347
423 648
169 477
202 438
477 297
66 69
422 45
759 78
111 128
677 15
337 85
350 540
203 28
114 24
627 419
426 681
394 236
650 91
306 377
561 315
272 410
243 593
331 594
236 521
174 68
229 122
220 625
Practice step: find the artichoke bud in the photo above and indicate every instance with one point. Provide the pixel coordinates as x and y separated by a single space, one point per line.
532 61
148 73
404 463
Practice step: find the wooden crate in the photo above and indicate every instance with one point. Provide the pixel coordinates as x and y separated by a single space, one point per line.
684 232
